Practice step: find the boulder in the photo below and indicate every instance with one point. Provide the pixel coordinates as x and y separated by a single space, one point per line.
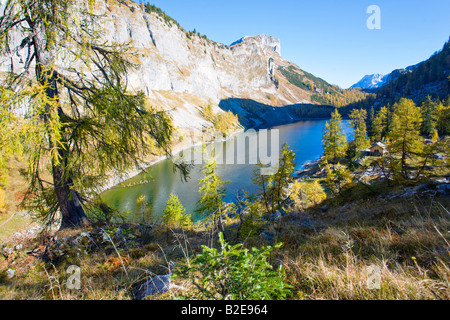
157 285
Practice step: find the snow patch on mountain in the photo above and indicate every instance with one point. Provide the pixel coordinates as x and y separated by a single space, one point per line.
376 81
372 81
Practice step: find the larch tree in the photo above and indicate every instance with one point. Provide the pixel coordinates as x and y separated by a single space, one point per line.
274 188
379 127
306 194
264 182
143 210
405 140
11 132
429 116
371 117
358 121
212 194
284 176
334 140
70 91
174 213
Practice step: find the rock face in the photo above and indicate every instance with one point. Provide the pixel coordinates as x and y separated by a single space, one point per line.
183 72
188 72
264 40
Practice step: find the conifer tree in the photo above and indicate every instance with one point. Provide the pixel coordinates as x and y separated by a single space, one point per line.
274 188
380 125
250 216
405 140
337 178
284 176
174 213
77 111
264 182
306 194
351 155
358 121
443 117
389 117
429 164
429 117
370 119
212 193
334 140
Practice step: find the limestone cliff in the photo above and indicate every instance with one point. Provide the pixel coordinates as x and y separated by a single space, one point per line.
183 72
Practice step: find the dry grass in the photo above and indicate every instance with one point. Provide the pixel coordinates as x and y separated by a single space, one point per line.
12 219
110 270
407 241
327 252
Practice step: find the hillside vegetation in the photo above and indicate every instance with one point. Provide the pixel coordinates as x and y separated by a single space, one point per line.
428 78
324 93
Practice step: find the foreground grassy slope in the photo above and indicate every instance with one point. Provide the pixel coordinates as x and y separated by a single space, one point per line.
326 253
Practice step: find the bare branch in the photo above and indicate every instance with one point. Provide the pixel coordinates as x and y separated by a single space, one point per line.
25 42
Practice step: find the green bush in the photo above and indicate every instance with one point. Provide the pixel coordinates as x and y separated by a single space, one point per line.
234 273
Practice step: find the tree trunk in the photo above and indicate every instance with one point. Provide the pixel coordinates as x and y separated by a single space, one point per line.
220 224
72 212
403 160
69 204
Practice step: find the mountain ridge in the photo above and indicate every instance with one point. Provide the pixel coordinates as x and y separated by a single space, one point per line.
183 72
427 78
378 80
371 81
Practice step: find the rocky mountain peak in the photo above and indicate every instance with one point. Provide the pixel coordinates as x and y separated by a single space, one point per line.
372 81
263 40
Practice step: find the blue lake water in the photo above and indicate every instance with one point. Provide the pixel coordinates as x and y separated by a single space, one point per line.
304 138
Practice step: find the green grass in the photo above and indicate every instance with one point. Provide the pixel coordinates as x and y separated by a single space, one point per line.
11 219
12 223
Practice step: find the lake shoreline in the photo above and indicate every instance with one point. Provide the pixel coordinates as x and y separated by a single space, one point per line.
271 124
116 179
303 137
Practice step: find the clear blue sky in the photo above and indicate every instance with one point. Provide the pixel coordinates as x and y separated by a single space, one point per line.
328 38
